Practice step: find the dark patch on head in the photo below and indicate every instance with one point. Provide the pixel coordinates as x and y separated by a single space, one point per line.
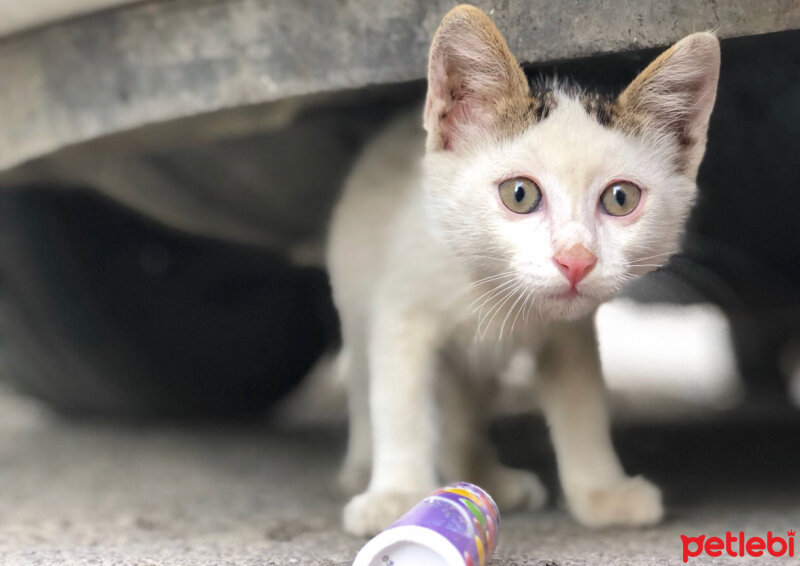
607 113
548 103
602 106
599 105
543 101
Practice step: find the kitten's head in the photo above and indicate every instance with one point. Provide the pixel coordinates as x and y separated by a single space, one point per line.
554 194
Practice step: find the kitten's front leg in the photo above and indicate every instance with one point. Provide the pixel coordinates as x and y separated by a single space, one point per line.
403 349
598 492
465 452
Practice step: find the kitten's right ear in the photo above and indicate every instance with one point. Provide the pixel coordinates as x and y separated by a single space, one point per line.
675 96
474 81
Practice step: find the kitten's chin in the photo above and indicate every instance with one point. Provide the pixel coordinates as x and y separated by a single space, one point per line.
569 305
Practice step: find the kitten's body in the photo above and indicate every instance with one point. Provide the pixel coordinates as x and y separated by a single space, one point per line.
437 283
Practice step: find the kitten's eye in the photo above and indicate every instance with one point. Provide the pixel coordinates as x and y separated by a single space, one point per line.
621 198
520 195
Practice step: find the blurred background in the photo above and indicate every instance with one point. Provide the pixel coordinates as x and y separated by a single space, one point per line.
167 171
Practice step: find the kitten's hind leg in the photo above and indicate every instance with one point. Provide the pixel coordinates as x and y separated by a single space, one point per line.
353 367
466 454
598 492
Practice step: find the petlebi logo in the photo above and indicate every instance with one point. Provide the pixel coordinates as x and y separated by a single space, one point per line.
739 545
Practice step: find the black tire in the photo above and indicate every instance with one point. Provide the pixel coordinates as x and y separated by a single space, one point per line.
102 311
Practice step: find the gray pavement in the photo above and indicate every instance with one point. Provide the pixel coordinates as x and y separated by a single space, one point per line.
102 493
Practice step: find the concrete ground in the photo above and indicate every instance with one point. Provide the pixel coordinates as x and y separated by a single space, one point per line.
98 493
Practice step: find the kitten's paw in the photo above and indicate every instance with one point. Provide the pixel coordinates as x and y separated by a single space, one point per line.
629 502
373 511
514 489
353 478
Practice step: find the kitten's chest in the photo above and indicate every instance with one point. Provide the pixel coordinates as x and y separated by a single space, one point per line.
479 355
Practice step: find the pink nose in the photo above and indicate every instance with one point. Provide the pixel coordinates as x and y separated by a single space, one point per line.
575 263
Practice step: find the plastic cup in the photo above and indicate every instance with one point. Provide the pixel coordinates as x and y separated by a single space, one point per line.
455 526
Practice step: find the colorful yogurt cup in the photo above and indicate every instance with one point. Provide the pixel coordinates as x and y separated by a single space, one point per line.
455 526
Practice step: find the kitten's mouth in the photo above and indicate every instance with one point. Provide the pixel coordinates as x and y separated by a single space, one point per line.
569 294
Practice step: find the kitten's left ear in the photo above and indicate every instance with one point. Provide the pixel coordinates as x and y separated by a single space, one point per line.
475 84
675 96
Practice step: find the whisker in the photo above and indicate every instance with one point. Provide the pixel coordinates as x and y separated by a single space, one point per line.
500 307
496 309
503 278
492 278
472 286
530 306
492 293
511 310
520 312
653 256
483 317
643 265
489 257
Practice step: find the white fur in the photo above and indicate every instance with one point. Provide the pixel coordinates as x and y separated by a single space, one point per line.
438 284
573 158
403 264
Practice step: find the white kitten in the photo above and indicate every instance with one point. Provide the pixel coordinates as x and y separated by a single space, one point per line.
524 210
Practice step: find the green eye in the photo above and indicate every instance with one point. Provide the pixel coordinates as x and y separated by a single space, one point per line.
621 198
520 195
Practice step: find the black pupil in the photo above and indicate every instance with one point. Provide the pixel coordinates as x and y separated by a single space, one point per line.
619 196
519 193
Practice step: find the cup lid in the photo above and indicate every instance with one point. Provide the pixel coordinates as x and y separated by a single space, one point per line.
409 545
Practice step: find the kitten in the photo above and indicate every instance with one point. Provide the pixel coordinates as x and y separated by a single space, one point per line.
504 227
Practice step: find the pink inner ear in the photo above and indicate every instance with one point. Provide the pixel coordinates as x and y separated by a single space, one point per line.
459 114
446 107
465 77
462 111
